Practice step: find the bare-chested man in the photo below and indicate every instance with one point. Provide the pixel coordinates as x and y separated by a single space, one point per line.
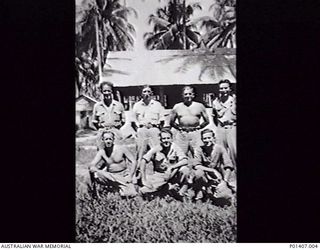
110 166
189 114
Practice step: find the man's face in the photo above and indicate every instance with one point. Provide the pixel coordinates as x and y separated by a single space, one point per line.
208 139
108 140
166 139
146 93
188 95
107 92
224 88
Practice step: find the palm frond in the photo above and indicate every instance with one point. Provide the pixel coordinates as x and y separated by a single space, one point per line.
152 39
193 36
162 13
158 21
196 5
209 23
124 11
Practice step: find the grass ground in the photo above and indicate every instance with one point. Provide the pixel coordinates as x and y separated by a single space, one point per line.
114 219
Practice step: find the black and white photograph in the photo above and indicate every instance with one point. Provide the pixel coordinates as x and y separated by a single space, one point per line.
156 121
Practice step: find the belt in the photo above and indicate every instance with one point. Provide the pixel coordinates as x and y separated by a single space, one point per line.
152 125
227 124
109 127
189 130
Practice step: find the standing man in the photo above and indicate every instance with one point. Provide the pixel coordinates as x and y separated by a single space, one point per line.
224 117
212 166
108 114
113 166
168 162
188 113
148 119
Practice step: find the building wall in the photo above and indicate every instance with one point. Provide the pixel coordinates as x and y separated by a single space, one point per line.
169 95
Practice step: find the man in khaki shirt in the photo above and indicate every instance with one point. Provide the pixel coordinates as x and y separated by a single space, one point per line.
224 117
212 167
148 119
108 114
169 165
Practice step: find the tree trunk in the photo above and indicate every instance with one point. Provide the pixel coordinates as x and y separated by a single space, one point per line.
98 48
184 25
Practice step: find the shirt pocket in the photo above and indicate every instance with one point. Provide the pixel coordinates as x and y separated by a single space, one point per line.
152 116
100 114
116 115
173 158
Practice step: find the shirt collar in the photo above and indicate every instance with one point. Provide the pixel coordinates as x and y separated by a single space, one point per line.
150 103
112 103
170 150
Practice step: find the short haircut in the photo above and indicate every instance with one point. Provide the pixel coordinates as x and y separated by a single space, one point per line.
146 86
225 81
110 84
207 130
166 130
188 87
107 132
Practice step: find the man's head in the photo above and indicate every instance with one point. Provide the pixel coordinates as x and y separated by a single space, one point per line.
146 92
108 138
166 138
106 89
224 87
188 94
207 137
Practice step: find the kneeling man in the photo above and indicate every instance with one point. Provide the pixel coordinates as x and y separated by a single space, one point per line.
168 161
110 166
212 168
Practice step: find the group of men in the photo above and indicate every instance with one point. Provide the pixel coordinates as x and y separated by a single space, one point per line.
183 159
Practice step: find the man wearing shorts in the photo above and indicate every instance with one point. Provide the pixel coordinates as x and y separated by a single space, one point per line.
212 167
113 166
169 165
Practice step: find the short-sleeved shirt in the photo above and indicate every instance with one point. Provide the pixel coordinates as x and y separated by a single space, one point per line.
157 157
218 156
110 116
152 113
226 110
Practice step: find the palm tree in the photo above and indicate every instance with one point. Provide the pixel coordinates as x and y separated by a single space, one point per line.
103 24
221 26
172 27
